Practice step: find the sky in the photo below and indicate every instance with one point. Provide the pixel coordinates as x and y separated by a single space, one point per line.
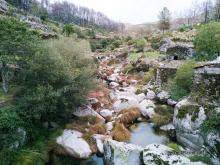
135 11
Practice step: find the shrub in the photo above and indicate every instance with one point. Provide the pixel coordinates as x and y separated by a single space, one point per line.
56 81
148 76
212 123
120 132
207 41
140 44
175 147
155 42
160 120
182 83
129 115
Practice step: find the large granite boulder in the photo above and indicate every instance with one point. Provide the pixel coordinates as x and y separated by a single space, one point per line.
74 145
157 154
119 153
188 118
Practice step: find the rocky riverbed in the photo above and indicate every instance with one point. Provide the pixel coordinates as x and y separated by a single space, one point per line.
114 107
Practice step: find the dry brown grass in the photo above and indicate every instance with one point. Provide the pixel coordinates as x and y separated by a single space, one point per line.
120 132
160 120
130 115
98 129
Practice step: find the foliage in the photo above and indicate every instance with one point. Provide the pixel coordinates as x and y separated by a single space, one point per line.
201 158
148 76
207 41
164 16
185 28
9 124
140 44
155 42
17 44
120 132
212 123
182 83
175 147
52 80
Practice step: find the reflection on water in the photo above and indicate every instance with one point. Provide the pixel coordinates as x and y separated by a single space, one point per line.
144 134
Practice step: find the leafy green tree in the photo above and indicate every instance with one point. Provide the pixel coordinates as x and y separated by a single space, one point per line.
207 41
164 19
16 46
56 81
68 30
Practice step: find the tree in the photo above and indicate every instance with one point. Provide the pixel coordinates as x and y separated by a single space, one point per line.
217 10
207 41
140 44
164 19
16 46
56 81
207 6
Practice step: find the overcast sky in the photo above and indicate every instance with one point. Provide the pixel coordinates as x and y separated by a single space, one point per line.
135 11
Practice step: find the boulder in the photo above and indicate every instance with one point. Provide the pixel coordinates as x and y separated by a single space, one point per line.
163 96
157 154
109 126
99 142
87 111
147 108
114 85
119 153
74 145
150 95
171 102
187 120
106 113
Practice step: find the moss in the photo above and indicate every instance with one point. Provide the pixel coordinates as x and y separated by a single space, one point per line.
175 147
192 110
149 75
202 158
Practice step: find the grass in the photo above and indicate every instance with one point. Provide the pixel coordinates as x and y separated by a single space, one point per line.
148 55
120 132
175 147
130 115
160 120
149 75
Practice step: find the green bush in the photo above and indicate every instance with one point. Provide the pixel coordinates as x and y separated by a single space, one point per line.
207 41
140 44
212 123
155 42
57 80
182 83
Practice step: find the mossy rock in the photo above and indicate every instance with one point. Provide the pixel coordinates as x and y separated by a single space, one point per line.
191 109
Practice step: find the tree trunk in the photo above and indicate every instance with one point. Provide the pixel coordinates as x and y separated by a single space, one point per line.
5 82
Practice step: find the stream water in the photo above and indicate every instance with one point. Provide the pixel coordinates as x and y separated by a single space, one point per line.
142 134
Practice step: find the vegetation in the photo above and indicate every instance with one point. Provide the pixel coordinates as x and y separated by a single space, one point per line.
16 46
120 132
202 158
160 120
207 41
148 76
164 17
130 115
175 147
181 85
140 44
212 124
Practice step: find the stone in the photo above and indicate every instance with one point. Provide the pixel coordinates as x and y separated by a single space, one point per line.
133 82
163 96
171 102
147 108
99 142
151 95
120 153
109 126
114 85
155 154
84 111
188 125
94 102
3 6
74 145
167 127
106 113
